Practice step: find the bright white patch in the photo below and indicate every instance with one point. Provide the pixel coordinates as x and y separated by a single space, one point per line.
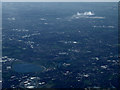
86 75
88 14
74 42
104 67
42 19
30 86
85 13
12 19
32 77
41 83
97 58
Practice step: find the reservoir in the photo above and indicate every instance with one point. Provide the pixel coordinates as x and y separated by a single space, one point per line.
25 67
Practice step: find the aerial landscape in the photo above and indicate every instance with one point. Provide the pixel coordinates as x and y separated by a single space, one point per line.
60 45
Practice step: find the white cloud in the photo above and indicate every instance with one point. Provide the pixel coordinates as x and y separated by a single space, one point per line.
88 14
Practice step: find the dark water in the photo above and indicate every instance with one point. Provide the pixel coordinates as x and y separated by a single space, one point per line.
24 67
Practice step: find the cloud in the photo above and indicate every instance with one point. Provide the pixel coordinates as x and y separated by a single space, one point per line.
85 13
88 14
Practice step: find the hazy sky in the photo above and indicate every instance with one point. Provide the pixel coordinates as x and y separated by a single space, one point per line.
59 0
